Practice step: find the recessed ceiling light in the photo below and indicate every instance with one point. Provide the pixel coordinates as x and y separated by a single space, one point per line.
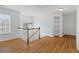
61 9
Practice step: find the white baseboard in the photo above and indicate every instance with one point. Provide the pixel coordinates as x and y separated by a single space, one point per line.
9 38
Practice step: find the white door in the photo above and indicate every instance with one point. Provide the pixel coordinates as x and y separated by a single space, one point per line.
56 26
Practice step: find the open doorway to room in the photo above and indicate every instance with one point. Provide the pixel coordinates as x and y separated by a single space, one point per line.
64 28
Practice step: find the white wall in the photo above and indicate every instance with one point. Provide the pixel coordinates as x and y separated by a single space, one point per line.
69 24
77 39
45 22
14 24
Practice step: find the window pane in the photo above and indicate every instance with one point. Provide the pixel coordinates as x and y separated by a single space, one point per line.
4 23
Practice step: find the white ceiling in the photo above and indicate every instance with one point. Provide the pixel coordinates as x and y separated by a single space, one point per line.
67 8
43 8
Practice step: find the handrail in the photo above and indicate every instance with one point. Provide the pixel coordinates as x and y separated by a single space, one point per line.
32 34
28 28
35 32
33 28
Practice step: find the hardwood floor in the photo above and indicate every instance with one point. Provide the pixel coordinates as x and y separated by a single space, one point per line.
66 44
